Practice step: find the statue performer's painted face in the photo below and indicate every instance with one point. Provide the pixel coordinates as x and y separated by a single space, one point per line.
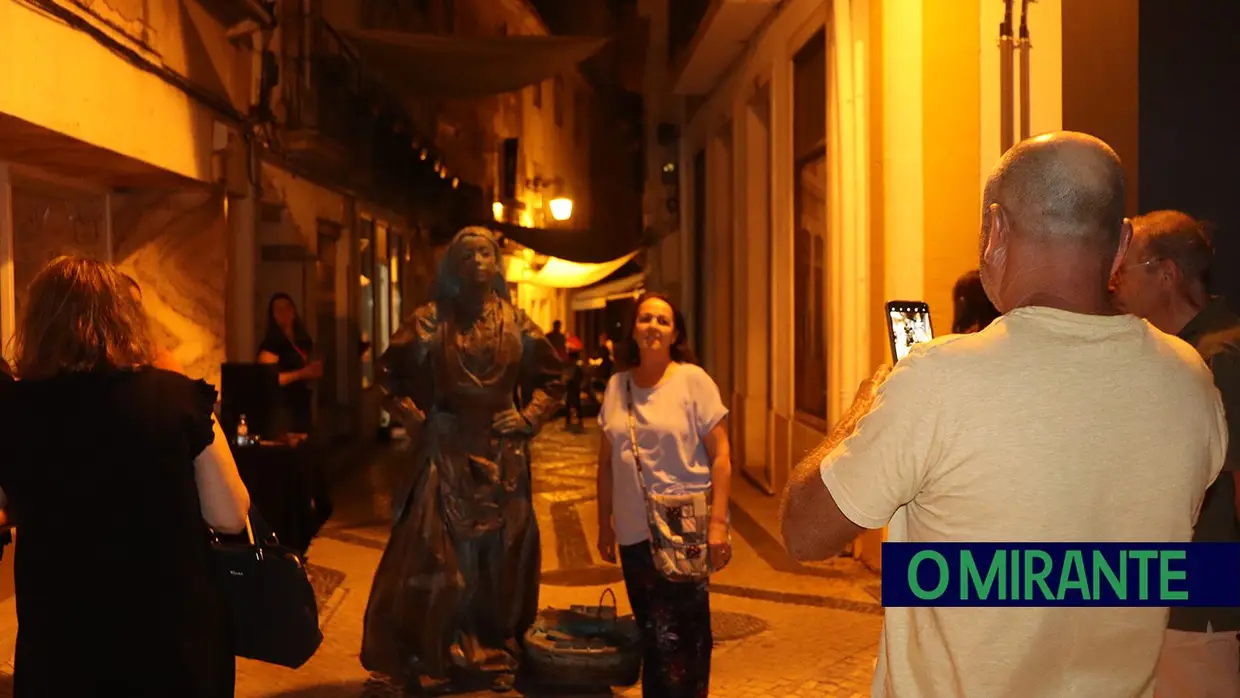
476 263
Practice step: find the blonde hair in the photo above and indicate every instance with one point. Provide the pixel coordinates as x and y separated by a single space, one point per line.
80 315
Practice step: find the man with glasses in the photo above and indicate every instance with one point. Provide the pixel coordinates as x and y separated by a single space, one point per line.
1164 279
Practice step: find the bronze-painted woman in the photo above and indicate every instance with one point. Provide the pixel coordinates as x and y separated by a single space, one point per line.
458 582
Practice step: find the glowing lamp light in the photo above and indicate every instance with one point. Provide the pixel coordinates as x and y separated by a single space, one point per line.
561 208
497 210
422 155
456 182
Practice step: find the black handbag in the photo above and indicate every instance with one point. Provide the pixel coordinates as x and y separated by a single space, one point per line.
275 617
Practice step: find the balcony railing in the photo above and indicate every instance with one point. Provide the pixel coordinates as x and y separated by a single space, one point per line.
325 89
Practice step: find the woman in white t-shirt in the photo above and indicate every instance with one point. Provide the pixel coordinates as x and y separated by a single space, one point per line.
680 430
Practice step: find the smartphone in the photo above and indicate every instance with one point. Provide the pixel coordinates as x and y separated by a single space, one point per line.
908 323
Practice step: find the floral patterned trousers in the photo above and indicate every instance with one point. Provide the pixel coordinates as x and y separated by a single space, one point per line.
674 618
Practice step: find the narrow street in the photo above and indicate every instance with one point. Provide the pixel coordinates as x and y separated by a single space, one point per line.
782 628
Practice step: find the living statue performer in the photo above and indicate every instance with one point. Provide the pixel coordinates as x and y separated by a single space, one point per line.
458 583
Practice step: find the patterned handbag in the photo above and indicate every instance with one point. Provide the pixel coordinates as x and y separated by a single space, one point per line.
679 521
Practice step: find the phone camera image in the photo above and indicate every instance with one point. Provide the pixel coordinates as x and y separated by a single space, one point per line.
909 326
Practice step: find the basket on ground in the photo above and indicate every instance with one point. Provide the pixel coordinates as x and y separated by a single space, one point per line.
584 646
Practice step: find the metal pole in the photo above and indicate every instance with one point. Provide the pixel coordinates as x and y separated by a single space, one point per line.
1023 46
1005 79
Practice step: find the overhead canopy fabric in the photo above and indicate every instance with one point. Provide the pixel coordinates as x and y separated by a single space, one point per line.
596 297
561 273
574 245
459 67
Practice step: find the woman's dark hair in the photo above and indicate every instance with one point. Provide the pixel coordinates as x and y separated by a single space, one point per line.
275 335
972 308
628 354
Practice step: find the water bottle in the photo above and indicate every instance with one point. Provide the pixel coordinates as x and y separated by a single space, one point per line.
243 433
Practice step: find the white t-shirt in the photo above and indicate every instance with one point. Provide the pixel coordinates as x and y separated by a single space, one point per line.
673 418
1047 426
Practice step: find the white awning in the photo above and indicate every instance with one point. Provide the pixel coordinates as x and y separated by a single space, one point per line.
561 273
596 298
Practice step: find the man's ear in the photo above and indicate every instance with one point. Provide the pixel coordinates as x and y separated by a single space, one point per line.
1125 241
997 230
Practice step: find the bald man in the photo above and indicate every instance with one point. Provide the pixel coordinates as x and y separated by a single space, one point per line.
1163 279
1053 424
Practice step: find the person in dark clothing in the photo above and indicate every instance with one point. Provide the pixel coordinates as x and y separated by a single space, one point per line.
973 310
557 339
573 384
288 345
115 471
1164 279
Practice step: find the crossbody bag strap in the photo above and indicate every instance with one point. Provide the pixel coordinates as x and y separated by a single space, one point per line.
637 457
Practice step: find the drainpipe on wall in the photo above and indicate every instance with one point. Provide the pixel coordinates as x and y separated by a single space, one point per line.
1005 79
1023 46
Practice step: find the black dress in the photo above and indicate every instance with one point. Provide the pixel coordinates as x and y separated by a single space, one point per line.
296 396
115 591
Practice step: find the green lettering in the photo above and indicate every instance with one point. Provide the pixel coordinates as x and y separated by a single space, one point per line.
1102 568
1167 575
1037 577
1143 579
971 577
1015 578
1073 565
944 577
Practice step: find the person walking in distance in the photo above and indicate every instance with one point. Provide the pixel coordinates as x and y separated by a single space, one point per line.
1164 280
1025 431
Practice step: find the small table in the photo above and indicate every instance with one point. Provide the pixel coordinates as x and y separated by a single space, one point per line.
282 483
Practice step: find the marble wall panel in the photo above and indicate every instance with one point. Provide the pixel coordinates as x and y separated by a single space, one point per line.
175 245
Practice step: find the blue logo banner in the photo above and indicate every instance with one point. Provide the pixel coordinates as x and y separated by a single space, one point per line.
1061 574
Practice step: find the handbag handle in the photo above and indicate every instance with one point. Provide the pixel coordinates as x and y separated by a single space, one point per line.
615 608
256 542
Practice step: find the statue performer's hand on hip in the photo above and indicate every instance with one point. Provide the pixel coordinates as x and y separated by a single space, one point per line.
510 421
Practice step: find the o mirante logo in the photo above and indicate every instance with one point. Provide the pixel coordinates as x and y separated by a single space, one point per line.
1061 574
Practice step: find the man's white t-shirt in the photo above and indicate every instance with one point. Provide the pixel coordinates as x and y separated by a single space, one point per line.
1047 426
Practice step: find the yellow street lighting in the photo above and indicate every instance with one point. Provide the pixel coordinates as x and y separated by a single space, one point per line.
561 208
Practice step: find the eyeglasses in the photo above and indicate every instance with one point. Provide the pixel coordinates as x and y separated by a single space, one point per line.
1123 269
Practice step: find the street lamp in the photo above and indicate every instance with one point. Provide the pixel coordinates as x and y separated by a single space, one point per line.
561 208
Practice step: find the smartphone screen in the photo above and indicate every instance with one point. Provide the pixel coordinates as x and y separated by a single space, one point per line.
908 323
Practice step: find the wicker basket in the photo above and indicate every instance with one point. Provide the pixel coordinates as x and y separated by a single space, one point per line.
584 647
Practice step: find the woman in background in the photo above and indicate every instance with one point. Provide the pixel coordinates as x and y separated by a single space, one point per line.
113 470
288 345
973 310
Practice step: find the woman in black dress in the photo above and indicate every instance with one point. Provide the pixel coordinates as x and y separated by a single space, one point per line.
112 471
288 345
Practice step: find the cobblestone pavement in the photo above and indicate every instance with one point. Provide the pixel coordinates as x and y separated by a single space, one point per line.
782 628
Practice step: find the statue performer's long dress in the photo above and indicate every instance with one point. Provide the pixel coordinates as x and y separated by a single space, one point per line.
458 583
